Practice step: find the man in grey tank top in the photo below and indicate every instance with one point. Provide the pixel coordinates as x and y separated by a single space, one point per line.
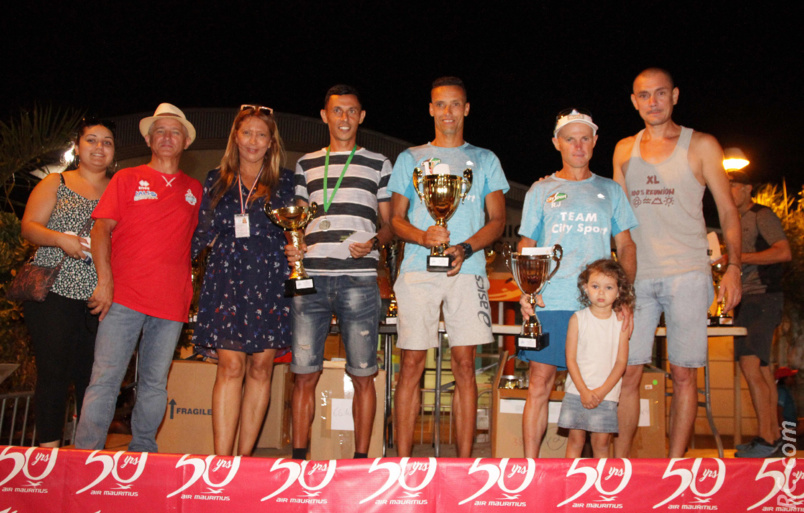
664 170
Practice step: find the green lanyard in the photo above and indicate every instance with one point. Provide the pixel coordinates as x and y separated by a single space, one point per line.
327 203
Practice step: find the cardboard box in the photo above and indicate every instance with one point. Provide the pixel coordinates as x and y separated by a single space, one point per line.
508 404
332 433
187 426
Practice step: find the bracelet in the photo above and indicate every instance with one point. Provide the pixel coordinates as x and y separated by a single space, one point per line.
375 243
467 249
735 265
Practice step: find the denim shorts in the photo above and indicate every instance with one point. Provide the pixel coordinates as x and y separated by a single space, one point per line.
685 300
602 419
355 300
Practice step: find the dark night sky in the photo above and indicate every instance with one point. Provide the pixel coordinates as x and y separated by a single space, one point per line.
738 66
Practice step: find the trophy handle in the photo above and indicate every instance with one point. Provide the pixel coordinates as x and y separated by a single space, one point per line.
558 254
418 176
466 184
313 208
270 212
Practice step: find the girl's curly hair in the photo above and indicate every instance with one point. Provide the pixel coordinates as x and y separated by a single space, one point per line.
612 269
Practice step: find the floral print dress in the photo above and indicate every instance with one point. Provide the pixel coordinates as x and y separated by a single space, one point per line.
242 305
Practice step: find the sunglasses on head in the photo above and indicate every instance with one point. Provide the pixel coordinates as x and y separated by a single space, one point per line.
258 108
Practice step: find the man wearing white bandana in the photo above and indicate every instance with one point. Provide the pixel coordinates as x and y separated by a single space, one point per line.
348 184
144 284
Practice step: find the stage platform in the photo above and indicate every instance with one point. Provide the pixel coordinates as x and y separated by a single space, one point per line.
42 480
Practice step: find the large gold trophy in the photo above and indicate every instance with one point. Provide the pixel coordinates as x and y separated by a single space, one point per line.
394 252
441 194
531 272
293 220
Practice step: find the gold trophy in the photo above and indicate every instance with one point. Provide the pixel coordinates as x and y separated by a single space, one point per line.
441 195
293 220
721 316
531 272
394 252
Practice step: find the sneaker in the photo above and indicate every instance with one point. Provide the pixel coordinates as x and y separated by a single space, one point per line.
753 442
761 449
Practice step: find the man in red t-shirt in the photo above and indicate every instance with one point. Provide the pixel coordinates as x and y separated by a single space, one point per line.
141 248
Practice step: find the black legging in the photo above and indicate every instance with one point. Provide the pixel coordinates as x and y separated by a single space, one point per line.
63 335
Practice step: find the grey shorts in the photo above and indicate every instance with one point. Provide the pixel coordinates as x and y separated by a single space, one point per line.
760 314
465 301
685 300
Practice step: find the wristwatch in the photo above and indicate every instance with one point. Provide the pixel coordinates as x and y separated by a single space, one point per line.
375 243
467 249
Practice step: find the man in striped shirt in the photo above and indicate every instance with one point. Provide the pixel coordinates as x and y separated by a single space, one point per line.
348 183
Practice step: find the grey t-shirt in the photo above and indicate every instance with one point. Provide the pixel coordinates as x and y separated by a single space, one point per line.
755 222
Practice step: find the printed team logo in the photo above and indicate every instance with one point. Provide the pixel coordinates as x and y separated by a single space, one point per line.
507 483
189 198
609 477
124 473
408 480
144 192
216 472
703 480
311 480
36 464
556 198
780 475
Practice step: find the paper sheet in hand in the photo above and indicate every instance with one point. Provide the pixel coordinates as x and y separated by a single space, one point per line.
342 251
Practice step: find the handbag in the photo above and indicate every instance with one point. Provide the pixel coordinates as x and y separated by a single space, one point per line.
33 282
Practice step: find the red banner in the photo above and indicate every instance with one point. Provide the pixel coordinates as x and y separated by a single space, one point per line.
40 480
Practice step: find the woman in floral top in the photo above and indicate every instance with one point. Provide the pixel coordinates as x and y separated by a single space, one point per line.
58 219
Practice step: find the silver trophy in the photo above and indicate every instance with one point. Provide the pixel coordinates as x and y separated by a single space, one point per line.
531 272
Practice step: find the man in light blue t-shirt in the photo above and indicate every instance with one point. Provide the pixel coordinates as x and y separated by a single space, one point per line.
581 211
463 290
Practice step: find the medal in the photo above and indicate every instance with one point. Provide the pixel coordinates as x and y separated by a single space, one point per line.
324 225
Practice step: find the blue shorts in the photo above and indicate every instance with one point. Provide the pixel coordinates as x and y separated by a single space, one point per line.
555 323
685 300
602 419
356 302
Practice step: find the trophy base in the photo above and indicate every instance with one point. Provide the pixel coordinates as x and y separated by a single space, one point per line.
299 287
439 263
533 343
721 321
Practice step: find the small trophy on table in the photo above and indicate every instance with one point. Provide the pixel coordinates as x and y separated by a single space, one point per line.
293 220
531 271
441 193
719 261
394 251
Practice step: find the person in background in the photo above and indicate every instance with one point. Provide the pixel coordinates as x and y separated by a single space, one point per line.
58 218
242 310
764 248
